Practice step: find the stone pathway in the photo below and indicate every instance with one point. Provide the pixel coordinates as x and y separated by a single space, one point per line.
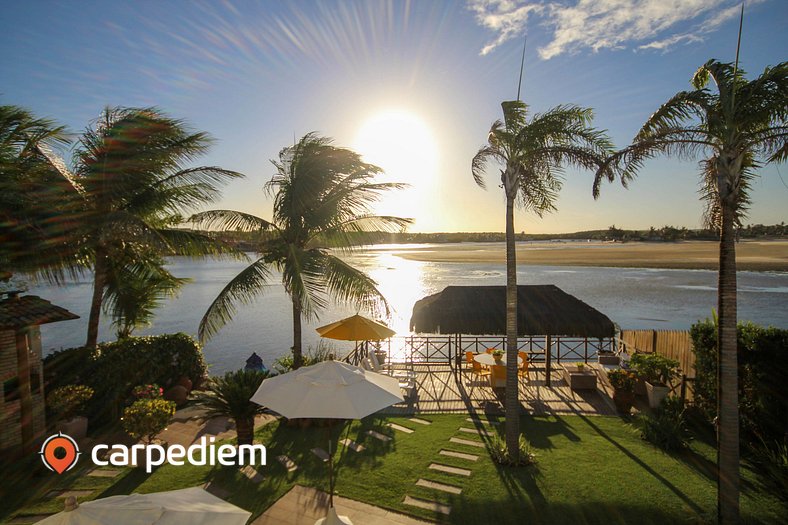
451 489
320 453
379 436
461 455
468 442
428 505
288 463
352 445
476 431
420 421
480 421
400 428
450 470
103 473
251 473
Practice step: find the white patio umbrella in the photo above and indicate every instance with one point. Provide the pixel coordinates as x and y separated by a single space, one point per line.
192 506
330 389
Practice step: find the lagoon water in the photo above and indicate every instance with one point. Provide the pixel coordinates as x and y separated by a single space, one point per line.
634 298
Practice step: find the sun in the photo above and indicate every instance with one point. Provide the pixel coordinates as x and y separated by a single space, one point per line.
402 144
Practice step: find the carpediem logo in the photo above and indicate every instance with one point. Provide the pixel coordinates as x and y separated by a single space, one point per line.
59 453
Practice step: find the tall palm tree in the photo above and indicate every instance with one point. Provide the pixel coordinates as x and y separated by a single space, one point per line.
129 169
532 154
322 197
736 130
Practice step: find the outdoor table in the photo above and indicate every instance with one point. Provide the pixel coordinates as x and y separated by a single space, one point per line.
489 360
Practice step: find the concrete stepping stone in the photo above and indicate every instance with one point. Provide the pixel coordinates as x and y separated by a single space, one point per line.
320 453
461 455
251 473
352 445
420 421
481 421
400 428
476 431
468 442
379 436
450 470
28 519
427 505
288 463
103 473
451 489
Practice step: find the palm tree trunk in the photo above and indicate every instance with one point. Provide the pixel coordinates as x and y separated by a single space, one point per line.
99 281
512 383
727 375
244 427
297 354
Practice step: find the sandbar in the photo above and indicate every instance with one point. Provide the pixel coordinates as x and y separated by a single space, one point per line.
750 255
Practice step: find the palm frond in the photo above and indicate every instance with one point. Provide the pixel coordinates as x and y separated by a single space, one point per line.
244 288
230 220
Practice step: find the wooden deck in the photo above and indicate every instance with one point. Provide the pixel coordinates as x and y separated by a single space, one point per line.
441 388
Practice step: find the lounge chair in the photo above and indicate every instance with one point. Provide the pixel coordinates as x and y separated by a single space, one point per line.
469 359
387 370
498 376
366 364
479 370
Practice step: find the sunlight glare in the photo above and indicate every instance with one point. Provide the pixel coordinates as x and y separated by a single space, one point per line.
402 144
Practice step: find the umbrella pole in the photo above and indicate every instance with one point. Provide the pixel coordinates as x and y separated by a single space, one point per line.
330 469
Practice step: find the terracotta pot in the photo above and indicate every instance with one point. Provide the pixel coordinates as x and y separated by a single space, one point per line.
186 383
76 427
624 400
178 394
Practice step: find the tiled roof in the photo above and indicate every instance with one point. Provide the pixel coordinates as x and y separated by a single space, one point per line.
30 310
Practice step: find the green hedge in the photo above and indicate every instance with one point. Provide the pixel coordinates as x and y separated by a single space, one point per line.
114 369
763 374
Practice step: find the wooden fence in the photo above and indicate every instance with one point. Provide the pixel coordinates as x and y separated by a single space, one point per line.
675 344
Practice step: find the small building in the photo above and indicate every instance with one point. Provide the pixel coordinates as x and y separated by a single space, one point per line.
22 406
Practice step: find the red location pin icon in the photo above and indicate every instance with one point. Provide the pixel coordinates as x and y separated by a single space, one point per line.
59 452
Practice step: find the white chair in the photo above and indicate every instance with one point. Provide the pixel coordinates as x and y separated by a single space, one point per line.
383 369
367 365
408 386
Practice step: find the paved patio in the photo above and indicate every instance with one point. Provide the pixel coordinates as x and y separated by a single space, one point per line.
303 506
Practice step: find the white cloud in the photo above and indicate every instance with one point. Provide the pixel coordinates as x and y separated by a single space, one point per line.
575 25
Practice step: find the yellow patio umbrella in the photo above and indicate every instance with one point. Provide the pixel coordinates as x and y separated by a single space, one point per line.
356 328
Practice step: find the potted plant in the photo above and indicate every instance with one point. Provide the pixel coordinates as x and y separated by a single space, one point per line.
497 354
67 402
657 371
623 383
581 367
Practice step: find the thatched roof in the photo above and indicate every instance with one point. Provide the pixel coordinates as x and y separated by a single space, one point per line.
481 310
30 310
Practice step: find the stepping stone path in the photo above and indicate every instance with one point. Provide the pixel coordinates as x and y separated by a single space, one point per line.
322 454
400 428
420 421
288 463
352 445
461 455
450 470
481 421
451 489
476 431
67 493
468 442
98 473
378 435
250 472
428 505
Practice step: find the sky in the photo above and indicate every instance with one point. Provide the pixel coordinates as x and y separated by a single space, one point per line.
411 85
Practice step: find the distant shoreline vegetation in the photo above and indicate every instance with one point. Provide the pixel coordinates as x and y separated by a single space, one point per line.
247 241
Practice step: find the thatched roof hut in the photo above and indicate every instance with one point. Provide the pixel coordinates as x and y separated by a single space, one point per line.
481 310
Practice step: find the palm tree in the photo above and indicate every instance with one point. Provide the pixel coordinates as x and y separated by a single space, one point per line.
228 396
532 154
131 180
736 130
322 197
34 223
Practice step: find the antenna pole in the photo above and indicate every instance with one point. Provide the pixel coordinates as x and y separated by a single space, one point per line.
522 63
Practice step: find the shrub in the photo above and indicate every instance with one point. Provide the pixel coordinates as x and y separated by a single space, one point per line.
622 380
666 427
150 391
500 452
655 368
67 401
312 356
770 461
229 396
115 368
147 417
763 373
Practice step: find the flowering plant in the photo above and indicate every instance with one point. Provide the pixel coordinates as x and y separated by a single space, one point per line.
622 380
68 400
497 353
150 391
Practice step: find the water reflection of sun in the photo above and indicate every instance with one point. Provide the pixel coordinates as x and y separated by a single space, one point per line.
401 282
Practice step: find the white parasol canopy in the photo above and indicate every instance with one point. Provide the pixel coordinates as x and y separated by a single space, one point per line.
329 389
192 506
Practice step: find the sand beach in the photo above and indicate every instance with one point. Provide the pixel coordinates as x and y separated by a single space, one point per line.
750 255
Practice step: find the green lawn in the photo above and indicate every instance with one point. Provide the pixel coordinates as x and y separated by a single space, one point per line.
589 470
